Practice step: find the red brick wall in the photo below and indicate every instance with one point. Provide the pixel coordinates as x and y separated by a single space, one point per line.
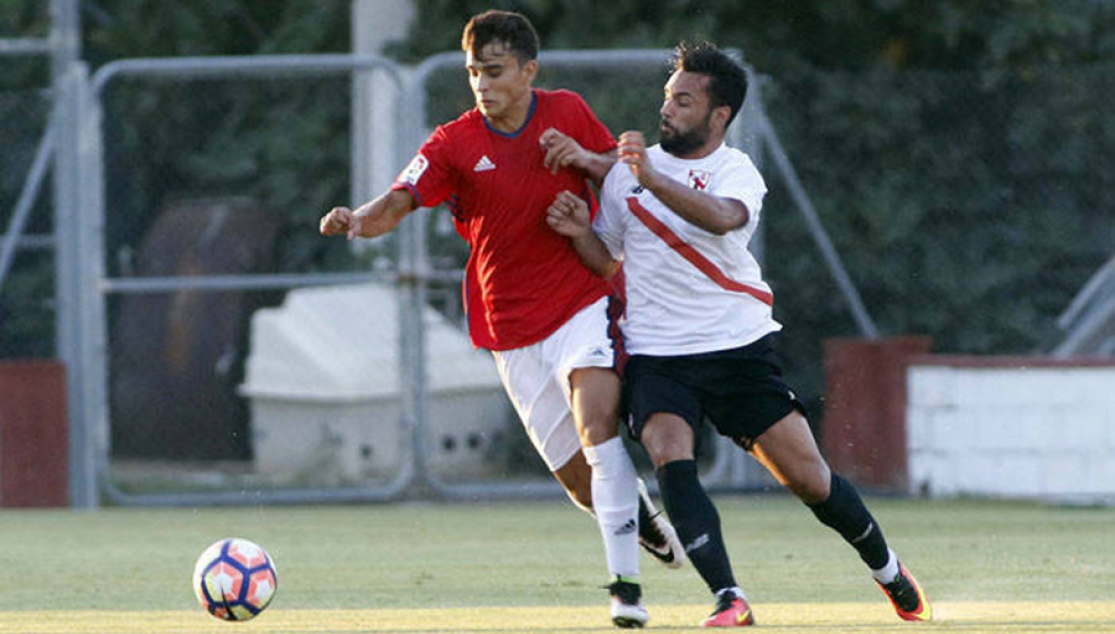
34 451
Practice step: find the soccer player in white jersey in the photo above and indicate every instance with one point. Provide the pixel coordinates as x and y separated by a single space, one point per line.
699 326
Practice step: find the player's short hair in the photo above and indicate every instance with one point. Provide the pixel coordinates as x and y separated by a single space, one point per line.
514 30
727 79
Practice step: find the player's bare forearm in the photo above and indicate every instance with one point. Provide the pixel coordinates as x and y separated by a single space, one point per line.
383 214
564 151
371 219
714 214
597 166
569 216
594 255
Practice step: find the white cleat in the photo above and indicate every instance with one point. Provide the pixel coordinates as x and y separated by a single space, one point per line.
627 606
656 535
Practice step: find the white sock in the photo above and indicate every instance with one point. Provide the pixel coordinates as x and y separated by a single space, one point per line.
735 590
889 572
615 498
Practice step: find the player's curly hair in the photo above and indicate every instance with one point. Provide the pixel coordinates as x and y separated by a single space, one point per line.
727 79
514 30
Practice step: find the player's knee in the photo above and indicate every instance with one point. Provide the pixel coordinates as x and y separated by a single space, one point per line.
667 439
595 430
811 485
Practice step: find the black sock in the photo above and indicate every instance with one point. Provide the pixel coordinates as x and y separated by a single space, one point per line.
696 521
845 513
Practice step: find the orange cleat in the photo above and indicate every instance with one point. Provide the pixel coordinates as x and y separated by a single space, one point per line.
731 611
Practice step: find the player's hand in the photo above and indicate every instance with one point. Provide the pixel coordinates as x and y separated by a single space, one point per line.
561 151
568 215
633 153
340 221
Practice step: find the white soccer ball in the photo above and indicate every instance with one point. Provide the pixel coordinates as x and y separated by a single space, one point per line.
235 579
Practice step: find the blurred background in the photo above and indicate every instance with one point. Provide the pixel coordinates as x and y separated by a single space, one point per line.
173 330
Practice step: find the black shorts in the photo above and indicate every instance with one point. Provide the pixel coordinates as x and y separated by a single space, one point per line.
740 390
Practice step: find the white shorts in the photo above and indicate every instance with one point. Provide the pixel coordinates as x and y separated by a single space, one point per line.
536 378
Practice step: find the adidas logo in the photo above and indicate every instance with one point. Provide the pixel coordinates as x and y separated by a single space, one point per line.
629 527
484 164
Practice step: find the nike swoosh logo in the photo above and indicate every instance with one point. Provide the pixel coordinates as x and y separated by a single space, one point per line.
743 618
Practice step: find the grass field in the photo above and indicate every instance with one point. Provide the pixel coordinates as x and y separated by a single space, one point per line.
536 567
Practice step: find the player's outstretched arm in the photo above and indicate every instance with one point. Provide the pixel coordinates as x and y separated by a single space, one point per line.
563 151
371 219
568 215
714 214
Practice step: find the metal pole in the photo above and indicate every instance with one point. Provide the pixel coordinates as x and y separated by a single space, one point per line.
65 39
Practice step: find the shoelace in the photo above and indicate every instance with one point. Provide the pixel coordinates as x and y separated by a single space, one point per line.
903 593
724 601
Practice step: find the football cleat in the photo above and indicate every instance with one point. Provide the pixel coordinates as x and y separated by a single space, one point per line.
656 535
627 605
907 597
731 611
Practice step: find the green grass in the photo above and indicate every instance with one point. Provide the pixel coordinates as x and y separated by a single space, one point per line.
517 567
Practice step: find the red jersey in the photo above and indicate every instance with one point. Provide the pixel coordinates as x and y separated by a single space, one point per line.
522 280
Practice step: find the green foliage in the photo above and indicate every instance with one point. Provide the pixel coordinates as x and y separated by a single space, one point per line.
955 150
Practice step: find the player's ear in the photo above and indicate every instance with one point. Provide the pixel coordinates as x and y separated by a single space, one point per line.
721 115
530 68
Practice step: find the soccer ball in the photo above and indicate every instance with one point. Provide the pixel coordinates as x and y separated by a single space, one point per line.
235 579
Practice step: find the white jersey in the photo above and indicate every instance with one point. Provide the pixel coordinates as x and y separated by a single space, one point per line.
688 290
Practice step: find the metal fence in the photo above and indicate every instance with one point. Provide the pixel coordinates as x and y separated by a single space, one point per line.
220 351
210 368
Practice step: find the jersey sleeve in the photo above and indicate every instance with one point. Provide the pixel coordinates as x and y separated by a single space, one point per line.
429 175
609 222
742 181
591 133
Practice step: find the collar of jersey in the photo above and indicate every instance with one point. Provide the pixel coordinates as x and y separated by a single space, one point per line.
526 122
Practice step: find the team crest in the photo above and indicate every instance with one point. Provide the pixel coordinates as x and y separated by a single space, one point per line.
414 171
700 179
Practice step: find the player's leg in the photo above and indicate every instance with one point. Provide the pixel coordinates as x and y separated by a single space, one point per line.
543 402
656 534
790 453
594 395
660 414
575 476
540 401
544 412
582 357
615 496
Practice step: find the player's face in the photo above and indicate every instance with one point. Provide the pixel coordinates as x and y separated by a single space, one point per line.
500 83
686 127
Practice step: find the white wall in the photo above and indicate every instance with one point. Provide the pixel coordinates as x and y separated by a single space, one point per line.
1018 428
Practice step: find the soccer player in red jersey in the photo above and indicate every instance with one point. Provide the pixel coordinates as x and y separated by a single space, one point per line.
528 298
